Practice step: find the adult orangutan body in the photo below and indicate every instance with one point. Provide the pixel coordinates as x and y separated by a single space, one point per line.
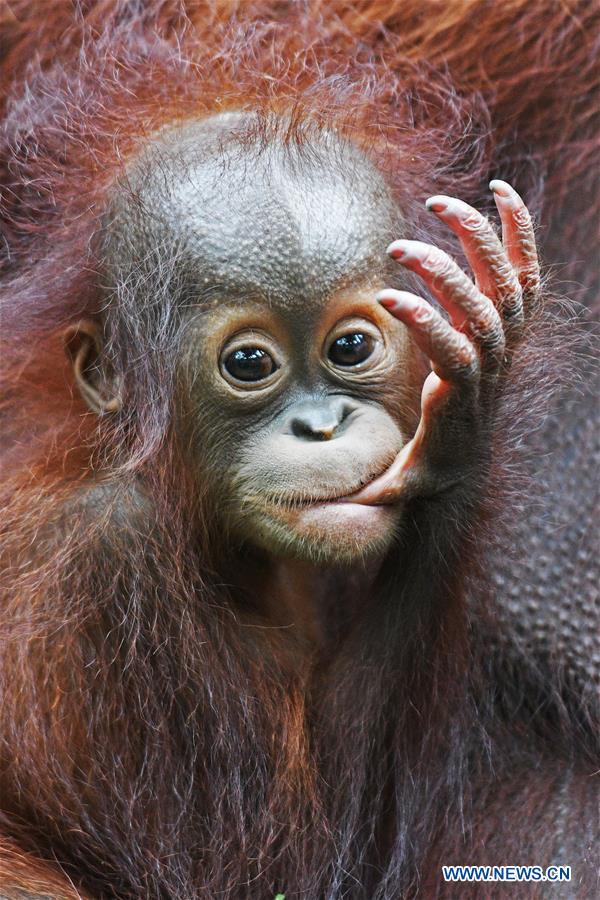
259 630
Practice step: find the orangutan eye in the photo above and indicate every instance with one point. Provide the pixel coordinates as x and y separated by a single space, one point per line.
249 364
351 349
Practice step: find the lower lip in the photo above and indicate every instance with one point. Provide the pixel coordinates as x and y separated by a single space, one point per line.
344 523
346 513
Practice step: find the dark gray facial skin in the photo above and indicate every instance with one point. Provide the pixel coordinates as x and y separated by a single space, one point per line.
286 223
281 250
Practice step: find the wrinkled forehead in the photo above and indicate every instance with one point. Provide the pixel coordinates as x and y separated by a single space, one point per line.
276 221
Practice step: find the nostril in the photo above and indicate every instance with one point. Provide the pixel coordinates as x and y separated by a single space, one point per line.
305 430
321 421
300 429
346 411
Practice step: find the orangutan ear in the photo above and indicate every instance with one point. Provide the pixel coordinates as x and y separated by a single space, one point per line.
83 347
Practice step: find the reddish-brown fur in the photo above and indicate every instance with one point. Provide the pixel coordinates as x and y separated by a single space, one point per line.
239 776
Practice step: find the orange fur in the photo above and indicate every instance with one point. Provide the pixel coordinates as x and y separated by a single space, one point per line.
443 96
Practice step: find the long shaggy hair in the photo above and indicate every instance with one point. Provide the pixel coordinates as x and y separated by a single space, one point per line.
151 743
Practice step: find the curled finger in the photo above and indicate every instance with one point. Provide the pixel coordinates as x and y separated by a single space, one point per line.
518 237
452 354
494 273
469 309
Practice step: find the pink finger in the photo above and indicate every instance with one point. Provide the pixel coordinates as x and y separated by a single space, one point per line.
452 354
486 255
518 235
469 309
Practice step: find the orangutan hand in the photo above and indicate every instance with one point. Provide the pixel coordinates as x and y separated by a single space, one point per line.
469 354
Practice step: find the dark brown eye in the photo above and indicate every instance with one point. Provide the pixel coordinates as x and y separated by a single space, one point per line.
249 364
351 349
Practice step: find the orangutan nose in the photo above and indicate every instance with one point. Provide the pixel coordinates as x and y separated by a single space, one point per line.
320 420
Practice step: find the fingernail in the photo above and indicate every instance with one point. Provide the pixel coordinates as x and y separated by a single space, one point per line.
396 300
435 205
501 188
396 250
385 300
